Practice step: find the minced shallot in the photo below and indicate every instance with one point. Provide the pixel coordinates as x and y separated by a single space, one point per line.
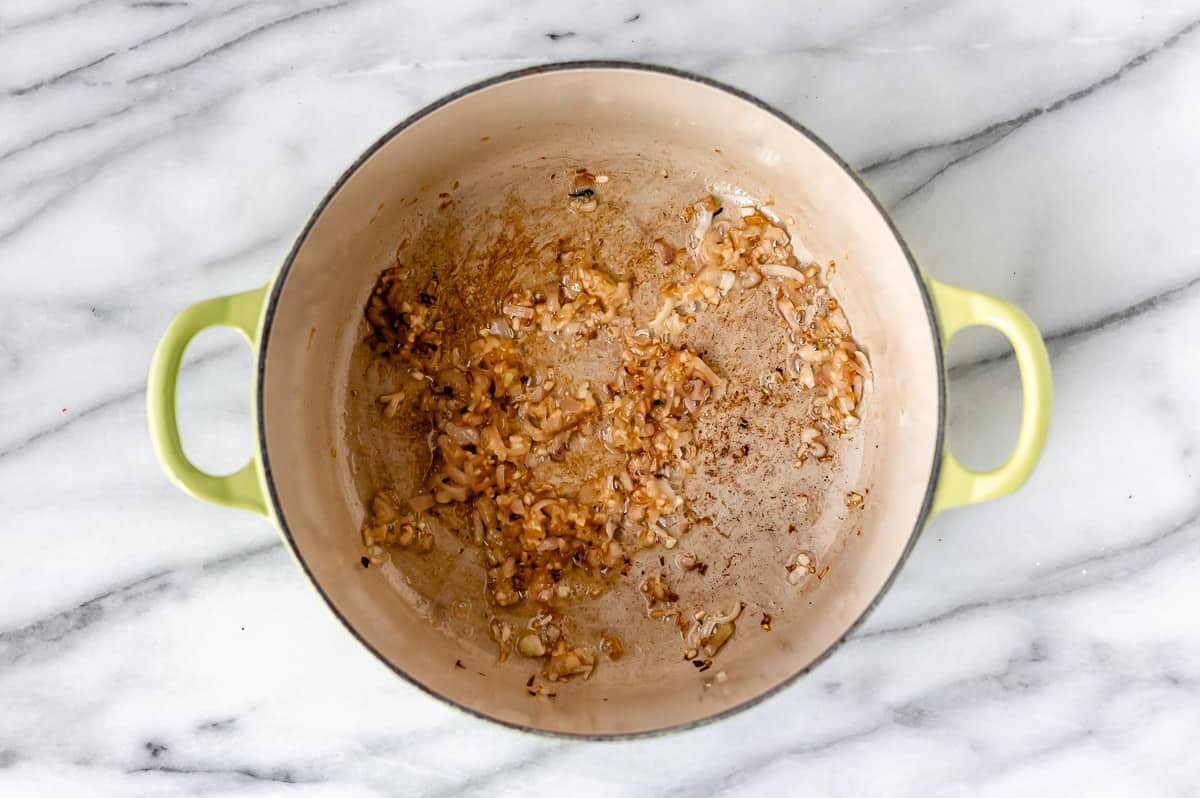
496 419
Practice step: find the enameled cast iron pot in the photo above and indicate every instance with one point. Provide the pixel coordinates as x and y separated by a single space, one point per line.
305 322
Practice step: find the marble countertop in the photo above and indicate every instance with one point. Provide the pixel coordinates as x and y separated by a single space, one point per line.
157 153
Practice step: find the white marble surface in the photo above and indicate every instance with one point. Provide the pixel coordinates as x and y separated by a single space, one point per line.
156 153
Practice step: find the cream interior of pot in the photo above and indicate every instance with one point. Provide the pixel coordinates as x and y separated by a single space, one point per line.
475 188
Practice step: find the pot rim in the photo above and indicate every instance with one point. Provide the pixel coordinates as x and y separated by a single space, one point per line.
280 278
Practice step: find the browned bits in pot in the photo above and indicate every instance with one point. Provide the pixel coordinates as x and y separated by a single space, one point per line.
583 191
688 561
540 690
530 645
804 564
733 253
400 328
386 525
664 251
502 633
719 636
495 421
765 623
810 445
610 644
657 591
566 661
712 631
854 500
498 422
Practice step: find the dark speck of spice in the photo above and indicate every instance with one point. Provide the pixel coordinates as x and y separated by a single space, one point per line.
530 682
766 622
634 18
458 664
718 211
155 749
366 563
581 194
554 36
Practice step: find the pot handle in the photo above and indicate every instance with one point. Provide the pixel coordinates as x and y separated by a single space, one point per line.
958 308
242 489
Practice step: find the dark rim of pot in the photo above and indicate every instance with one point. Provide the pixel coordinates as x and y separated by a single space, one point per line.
281 279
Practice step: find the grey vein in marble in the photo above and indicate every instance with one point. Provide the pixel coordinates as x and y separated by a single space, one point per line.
969 146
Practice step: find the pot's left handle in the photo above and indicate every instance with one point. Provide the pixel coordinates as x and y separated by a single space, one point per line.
241 489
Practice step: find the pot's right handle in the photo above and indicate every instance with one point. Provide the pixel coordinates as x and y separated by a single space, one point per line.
241 489
958 308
